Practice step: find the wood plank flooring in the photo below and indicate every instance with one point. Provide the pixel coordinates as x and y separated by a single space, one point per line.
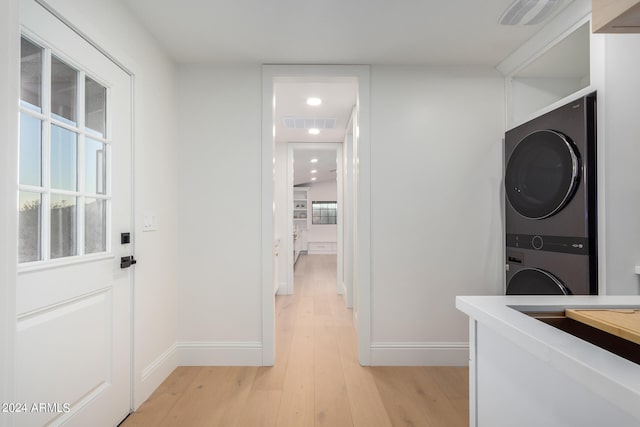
316 381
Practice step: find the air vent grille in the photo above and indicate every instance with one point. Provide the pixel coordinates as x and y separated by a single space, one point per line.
529 12
309 123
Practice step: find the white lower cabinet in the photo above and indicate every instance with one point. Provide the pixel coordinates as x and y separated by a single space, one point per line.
526 373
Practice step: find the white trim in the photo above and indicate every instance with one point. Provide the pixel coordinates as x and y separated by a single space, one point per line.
9 95
425 353
154 374
211 353
362 196
85 37
158 362
598 73
62 262
267 219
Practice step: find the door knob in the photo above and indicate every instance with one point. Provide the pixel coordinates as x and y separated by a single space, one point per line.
127 261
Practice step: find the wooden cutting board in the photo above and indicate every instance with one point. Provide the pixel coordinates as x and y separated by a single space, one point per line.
623 323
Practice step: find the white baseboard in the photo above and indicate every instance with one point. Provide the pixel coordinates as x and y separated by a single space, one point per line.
282 288
203 353
154 374
340 289
419 354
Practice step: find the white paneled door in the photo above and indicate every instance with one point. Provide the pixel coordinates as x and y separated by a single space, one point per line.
73 341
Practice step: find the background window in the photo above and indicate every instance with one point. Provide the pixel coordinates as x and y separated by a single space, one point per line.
324 212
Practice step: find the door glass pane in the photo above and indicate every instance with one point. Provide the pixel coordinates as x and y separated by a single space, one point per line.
30 150
63 159
30 75
29 220
63 91
95 166
63 225
95 226
95 107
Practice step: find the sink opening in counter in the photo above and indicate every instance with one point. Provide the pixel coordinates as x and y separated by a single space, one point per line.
614 344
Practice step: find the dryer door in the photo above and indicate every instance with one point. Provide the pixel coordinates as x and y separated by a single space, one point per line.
535 281
542 174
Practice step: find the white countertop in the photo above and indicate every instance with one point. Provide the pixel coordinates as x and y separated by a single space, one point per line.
612 377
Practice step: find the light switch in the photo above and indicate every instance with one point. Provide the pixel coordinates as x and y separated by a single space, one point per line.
149 221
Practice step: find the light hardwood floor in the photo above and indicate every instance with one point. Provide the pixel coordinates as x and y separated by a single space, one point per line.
316 380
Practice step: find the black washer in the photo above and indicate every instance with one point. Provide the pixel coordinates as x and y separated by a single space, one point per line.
535 281
542 174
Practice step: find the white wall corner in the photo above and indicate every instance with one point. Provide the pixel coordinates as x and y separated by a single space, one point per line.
431 353
154 374
207 353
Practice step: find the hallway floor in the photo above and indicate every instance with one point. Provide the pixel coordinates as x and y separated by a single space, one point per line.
316 380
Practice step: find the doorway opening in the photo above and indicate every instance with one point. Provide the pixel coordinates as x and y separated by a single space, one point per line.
352 243
314 208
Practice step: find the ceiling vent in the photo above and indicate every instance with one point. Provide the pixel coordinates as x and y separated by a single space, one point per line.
309 123
528 12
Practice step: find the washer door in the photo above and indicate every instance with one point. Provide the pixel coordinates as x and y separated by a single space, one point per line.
535 281
542 174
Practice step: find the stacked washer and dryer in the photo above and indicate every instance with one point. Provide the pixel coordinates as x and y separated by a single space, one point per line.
551 206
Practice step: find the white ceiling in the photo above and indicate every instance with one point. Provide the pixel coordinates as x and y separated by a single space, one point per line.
325 167
408 32
338 99
439 32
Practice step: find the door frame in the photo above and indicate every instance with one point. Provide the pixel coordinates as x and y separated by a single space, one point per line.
362 201
9 95
326 146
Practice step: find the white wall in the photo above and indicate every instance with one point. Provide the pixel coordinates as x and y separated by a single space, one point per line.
620 97
111 26
322 191
220 298
532 94
9 84
436 207
436 180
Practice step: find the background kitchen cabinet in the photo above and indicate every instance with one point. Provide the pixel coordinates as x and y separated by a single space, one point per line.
300 219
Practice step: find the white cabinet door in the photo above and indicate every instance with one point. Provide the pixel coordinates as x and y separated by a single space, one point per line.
73 342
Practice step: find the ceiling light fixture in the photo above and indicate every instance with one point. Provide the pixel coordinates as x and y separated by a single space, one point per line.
314 178
314 171
314 101
314 131
529 12
314 160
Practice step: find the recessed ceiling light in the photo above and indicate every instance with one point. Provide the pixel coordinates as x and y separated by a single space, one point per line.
313 179
314 160
314 131
314 101
314 171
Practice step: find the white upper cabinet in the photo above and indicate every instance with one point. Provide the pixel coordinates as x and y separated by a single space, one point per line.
616 16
